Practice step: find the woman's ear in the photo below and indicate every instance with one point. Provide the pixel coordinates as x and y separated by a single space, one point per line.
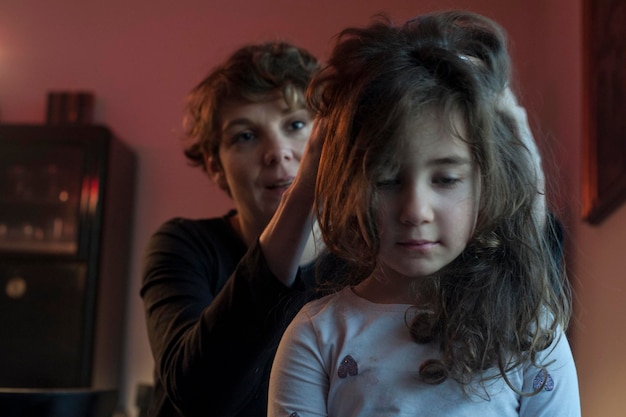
216 172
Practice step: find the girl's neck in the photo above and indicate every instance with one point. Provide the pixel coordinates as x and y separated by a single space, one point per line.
385 291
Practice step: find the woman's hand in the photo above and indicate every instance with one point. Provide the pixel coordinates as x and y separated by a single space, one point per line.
507 103
304 183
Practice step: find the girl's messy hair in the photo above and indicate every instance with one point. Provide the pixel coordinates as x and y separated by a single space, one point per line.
253 73
504 298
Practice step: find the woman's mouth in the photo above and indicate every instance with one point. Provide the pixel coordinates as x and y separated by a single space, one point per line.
279 187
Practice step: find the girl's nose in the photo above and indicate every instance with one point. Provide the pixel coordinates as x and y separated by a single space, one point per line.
417 207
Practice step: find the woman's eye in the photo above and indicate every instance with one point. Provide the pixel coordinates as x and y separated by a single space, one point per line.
296 125
243 137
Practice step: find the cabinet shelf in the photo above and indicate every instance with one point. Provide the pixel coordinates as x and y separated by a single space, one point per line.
47 247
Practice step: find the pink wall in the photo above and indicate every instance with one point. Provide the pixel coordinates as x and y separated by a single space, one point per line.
141 57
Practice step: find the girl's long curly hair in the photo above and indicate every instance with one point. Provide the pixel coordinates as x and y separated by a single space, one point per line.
505 298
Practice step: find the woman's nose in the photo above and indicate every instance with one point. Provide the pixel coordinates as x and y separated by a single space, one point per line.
277 149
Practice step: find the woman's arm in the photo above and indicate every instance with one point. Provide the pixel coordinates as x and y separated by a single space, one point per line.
212 345
286 235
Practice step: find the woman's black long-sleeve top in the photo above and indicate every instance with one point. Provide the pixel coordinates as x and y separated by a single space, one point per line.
215 314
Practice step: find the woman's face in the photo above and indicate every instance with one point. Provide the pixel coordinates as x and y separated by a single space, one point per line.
260 150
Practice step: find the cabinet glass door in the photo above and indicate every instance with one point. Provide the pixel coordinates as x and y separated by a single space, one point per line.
40 197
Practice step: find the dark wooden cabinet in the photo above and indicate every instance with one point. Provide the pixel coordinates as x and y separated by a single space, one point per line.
66 205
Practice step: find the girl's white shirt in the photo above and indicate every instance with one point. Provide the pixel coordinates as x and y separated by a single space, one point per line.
314 246
344 356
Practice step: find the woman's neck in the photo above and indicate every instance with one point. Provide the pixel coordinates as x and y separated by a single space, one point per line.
244 230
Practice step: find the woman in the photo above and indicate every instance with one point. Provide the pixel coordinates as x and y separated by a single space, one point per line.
217 302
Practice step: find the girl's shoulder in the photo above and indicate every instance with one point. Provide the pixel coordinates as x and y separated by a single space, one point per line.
329 308
328 303
346 305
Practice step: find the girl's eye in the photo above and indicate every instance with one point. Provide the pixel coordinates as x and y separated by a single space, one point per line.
388 183
446 181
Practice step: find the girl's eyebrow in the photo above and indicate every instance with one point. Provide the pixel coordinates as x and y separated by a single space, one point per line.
450 160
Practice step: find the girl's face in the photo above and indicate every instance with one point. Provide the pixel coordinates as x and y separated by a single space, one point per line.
259 154
428 204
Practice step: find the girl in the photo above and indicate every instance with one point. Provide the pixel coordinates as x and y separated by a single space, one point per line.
453 304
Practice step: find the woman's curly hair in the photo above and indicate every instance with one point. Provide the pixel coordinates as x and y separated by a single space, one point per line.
253 73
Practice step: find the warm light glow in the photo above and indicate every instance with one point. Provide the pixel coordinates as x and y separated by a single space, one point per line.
89 194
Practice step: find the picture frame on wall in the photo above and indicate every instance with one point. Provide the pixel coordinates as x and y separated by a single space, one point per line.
604 151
